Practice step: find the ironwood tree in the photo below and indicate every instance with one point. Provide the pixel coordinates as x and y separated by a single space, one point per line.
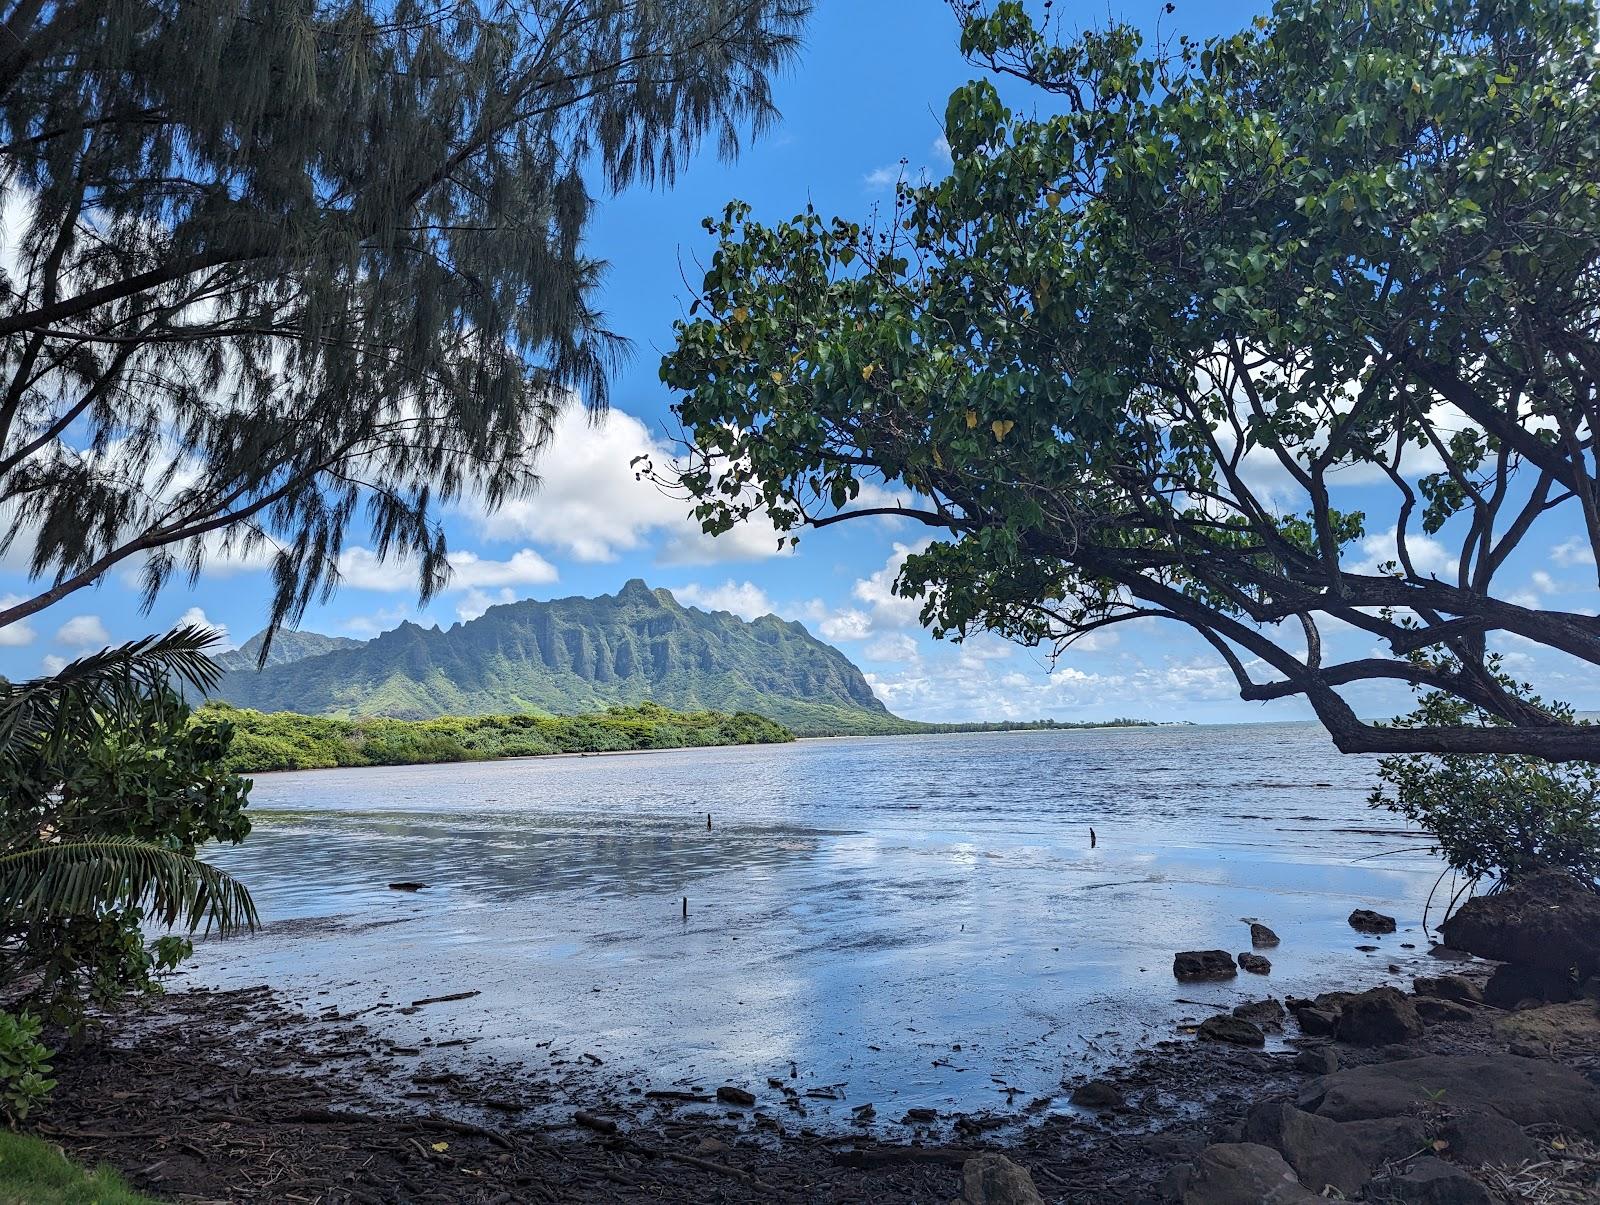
1195 336
274 266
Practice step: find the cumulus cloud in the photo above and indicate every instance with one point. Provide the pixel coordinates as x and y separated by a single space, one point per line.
361 569
51 664
1569 553
381 620
475 602
195 617
83 632
745 599
592 506
15 635
1428 556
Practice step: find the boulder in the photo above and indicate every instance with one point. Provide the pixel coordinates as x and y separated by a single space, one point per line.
1318 1060
1261 936
1266 1014
1314 1146
730 1095
1256 964
1574 1026
1099 1096
1519 985
1377 1018
1204 964
1474 1139
1548 920
1365 920
1386 1139
1431 1181
1435 1011
1235 1030
1316 1022
1448 987
1232 1173
991 1179
1528 1091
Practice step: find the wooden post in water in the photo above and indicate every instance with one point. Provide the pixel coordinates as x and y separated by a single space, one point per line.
708 822
1091 838
685 907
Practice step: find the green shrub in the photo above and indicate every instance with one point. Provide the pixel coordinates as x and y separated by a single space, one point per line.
24 1066
1496 817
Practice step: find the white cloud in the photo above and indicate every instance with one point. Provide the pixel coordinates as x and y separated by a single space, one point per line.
1428 556
889 610
195 617
881 179
593 506
53 664
381 620
848 624
475 602
941 152
745 599
895 646
83 632
15 635
361 569
1576 551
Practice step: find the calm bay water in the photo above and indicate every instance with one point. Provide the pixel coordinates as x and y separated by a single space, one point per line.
919 919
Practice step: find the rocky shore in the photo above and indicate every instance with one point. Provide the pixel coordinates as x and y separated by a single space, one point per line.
1480 1084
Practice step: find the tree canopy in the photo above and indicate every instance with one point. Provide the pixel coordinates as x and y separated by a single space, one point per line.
270 264
1194 337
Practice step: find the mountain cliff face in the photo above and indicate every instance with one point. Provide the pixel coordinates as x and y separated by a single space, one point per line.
574 655
286 647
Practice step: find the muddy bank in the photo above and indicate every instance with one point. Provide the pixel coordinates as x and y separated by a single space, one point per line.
240 1095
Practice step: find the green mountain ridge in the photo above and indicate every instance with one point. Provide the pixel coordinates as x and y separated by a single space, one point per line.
287 647
570 656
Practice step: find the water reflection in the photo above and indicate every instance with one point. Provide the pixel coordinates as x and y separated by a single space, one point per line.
860 907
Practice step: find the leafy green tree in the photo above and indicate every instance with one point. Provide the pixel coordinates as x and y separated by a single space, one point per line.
107 790
272 262
1501 817
1194 338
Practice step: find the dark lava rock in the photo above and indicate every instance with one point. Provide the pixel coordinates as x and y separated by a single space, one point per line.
1431 1181
729 1095
1517 985
1448 987
1367 921
1434 1011
1386 1139
1318 1060
1317 1022
1255 964
1528 1091
1233 1172
1314 1146
1446 954
1099 1096
1227 1028
1377 1018
1478 1138
1261 936
1204 964
919 1117
991 1179
1268 1013
408 886
1548 920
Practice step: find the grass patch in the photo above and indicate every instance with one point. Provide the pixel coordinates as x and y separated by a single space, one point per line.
35 1173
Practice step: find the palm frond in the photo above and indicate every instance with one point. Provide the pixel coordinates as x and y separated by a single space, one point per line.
103 687
87 877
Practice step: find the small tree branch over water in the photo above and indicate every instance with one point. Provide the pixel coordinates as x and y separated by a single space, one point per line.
271 263
1284 335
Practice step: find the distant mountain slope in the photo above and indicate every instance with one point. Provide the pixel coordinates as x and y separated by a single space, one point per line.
286 647
573 655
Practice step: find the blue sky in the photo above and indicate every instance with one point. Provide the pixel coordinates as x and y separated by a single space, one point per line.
867 94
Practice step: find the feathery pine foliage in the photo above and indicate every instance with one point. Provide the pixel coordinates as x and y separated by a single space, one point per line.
570 656
108 786
285 741
272 262
1196 338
